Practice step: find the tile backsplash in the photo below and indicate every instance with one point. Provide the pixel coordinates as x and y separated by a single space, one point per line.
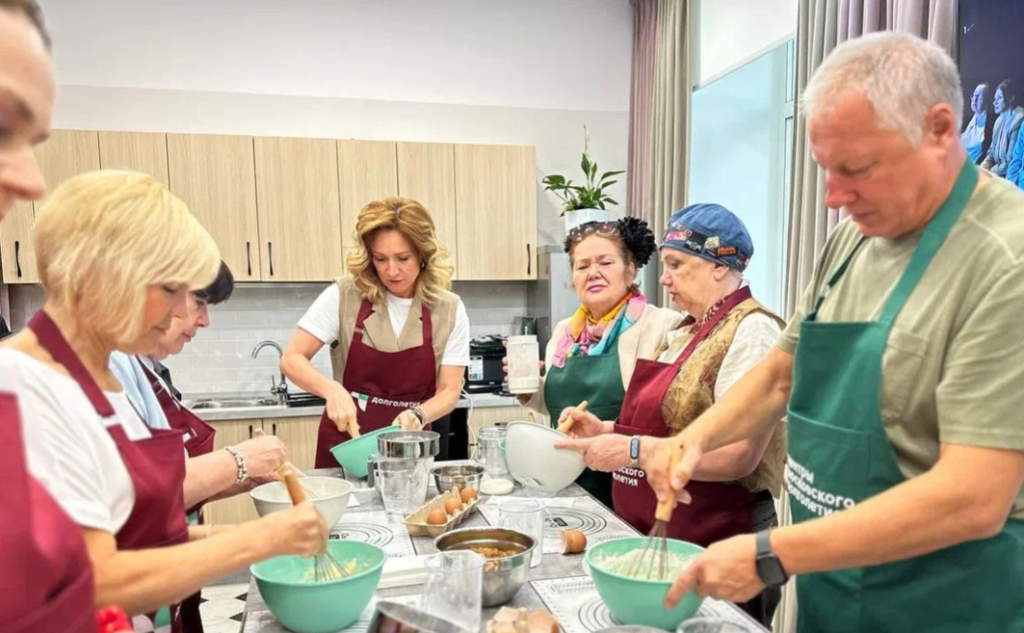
219 359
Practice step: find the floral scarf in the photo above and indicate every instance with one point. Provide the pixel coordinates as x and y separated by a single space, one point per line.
586 337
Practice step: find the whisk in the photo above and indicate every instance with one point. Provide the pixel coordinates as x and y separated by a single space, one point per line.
651 562
325 567
570 421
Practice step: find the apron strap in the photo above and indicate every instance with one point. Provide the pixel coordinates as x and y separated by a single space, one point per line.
428 326
51 339
733 300
931 240
833 280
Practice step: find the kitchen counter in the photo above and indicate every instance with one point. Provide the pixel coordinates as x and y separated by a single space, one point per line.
480 400
559 584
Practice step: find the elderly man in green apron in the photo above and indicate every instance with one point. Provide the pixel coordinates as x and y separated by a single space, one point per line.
903 372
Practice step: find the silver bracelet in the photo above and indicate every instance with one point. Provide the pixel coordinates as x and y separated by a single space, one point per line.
243 472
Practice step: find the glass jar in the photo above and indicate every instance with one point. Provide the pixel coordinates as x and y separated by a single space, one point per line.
491 455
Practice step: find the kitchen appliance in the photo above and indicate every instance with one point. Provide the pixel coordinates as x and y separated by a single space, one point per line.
485 373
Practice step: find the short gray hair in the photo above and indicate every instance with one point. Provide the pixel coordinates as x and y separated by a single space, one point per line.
902 76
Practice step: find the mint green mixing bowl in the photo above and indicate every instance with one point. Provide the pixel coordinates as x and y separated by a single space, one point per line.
304 606
634 601
352 455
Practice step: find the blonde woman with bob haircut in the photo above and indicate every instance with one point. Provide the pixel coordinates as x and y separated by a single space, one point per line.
118 255
399 338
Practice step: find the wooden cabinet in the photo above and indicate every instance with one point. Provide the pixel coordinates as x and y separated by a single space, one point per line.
17 254
496 203
367 171
137 151
65 154
426 172
484 417
299 209
299 435
237 509
216 177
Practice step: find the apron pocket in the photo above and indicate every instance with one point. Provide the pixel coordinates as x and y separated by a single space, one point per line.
901 373
828 469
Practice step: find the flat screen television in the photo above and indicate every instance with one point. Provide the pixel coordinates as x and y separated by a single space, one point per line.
990 51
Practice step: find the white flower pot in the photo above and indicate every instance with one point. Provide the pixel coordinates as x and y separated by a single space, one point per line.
582 216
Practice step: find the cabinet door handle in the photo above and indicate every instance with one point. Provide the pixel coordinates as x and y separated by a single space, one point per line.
248 257
270 251
529 260
17 257
273 429
250 431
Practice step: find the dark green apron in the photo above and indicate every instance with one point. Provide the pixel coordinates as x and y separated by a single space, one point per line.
840 455
598 380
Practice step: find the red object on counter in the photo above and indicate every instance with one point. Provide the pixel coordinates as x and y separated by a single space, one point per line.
114 620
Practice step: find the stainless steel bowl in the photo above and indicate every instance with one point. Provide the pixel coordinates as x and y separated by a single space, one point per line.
503 577
466 476
391 617
409 445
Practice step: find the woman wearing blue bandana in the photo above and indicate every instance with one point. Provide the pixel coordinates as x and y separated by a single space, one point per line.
705 251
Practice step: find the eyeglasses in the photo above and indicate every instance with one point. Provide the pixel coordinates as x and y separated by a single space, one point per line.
603 229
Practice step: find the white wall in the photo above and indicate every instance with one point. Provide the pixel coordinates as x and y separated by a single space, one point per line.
731 32
528 72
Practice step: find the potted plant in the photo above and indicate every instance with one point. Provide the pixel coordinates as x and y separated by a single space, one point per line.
586 202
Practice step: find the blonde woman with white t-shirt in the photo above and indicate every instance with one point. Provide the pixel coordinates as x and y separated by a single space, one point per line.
399 338
118 254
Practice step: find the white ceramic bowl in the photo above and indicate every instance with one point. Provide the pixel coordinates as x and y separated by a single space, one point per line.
534 461
331 497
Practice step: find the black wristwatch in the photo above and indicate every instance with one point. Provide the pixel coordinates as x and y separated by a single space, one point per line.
769 567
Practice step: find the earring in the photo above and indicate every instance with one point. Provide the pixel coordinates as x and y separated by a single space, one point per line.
423 265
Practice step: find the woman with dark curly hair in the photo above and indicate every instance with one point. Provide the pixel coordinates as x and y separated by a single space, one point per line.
591 355
726 333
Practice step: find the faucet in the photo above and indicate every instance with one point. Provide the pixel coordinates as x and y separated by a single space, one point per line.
279 389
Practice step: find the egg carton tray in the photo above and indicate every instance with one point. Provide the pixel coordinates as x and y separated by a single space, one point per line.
416 523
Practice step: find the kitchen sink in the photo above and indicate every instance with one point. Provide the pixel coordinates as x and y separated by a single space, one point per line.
234 404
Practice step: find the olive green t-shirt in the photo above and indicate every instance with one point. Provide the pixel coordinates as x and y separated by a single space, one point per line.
953 368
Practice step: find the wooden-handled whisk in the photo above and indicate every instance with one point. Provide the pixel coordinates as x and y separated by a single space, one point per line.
325 567
651 562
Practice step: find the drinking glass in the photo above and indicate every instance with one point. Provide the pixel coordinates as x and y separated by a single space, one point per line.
402 484
526 516
454 588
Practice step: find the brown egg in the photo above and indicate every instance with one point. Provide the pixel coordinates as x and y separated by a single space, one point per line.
573 541
467 495
437 517
452 505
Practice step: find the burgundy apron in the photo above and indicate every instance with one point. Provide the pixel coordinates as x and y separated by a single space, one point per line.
199 442
718 510
382 384
46 581
156 465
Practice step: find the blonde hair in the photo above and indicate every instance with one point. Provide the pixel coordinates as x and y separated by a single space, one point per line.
104 237
409 218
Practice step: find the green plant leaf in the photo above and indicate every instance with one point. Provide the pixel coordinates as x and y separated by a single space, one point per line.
585 164
605 185
611 200
609 174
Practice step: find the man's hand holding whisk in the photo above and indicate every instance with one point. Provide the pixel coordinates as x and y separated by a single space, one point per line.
667 478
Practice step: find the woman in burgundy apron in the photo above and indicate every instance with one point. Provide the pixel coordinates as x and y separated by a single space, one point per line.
46 581
156 465
394 331
391 383
719 509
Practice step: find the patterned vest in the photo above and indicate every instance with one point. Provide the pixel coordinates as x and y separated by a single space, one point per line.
693 392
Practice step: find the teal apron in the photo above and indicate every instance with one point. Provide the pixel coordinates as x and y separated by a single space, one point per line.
598 380
840 455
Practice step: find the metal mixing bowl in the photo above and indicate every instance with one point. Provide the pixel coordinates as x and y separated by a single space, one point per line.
462 477
503 577
392 617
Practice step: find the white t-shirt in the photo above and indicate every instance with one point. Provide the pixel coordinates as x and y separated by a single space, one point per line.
755 336
68 447
323 320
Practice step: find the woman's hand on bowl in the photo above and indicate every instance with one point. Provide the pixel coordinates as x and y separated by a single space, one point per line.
408 421
300 530
585 423
263 455
607 453
341 410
